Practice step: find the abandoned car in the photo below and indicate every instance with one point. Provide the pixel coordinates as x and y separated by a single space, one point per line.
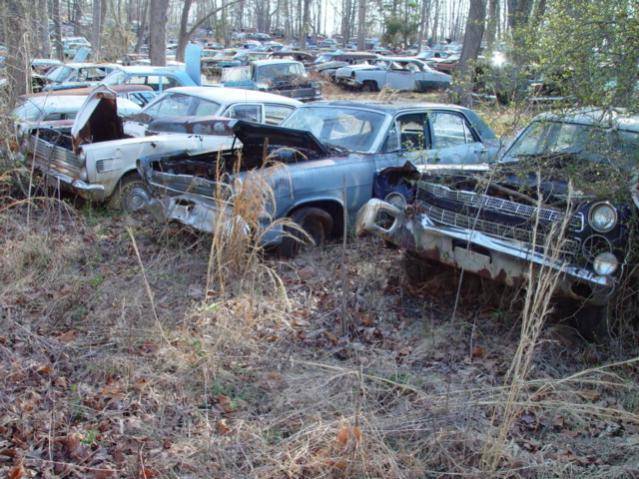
73 75
397 73
328 63
283 77
38 109
179 102
96 158
563 196
331 151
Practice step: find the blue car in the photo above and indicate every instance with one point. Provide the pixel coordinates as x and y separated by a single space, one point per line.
283 77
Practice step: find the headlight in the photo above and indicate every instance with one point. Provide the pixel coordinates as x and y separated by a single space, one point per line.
396 199
605 264
602 217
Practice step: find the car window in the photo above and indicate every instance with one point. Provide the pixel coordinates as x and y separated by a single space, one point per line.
245 112
449 129
170 105
276 114
413 130
141 98
206 108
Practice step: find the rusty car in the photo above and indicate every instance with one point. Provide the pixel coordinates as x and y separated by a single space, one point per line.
95 155
331 151
563 196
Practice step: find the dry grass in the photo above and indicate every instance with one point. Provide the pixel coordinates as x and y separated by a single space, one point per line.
169 356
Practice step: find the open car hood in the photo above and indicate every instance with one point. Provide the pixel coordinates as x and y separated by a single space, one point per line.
97 120
257 135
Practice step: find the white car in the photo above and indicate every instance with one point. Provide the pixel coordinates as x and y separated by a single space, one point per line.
397 73
96 156
195 101
36 110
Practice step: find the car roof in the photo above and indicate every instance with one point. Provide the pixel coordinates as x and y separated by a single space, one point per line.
150 70
277 61
226 95
386 107
590 116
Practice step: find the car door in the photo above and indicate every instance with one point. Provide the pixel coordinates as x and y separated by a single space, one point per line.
453 139
407 140
400 77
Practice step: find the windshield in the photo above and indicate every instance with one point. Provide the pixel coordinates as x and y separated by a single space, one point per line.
28 111
592 143
279 71
59 74
349 128
116 77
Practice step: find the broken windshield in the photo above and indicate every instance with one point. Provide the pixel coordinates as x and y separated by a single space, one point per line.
349 128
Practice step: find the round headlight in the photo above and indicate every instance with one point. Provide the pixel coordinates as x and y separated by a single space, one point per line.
602 217
396 199
605 264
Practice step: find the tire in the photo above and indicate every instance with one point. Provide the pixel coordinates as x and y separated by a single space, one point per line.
417 270
369 86
130 194
316 222
591 322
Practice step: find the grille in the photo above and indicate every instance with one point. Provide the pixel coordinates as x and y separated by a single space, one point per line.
570 247
490 203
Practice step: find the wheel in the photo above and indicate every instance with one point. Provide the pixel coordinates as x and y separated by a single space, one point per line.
130 194
418 270
591 322
369 86
316 222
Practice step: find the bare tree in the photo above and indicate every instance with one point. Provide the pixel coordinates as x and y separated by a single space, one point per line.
43 28
492 22
470 50
306 7
57 29
157 38
17 63
143 15
184 24
96 28
184 38
361 30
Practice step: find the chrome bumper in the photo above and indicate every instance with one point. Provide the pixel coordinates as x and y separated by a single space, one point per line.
507 261
86 190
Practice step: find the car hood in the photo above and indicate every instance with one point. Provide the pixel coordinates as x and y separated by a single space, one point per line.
256 135
97 120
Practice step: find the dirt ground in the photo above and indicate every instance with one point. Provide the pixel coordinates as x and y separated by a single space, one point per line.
117 361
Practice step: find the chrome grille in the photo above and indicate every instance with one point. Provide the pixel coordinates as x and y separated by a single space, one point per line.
500 205
570 247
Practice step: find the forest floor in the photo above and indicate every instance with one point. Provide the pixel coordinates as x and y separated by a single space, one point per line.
115 361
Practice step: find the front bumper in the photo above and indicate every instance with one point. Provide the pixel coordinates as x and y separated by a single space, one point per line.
85 190
506 261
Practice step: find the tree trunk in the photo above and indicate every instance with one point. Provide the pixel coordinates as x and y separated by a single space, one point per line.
538 13
17 62
43 29
57 29
361 30
304 24
436 22
182 36
96 28
423 24
157 38
491 24
470 50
